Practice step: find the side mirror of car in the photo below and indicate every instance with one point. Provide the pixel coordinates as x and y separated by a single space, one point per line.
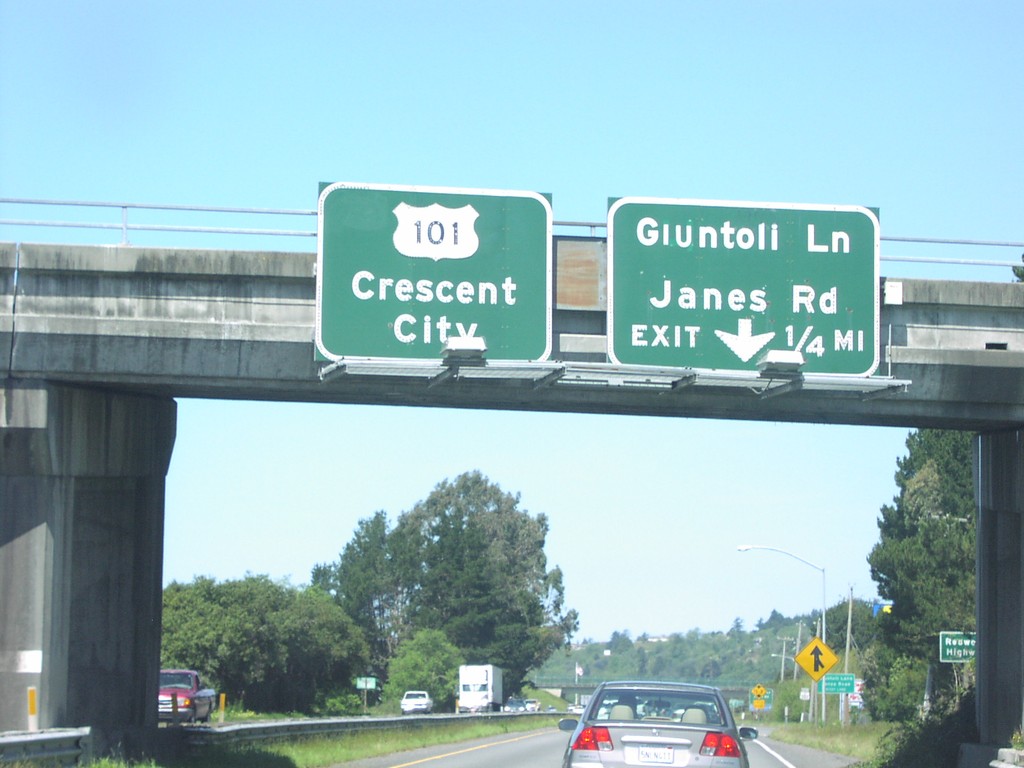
746 732
567 724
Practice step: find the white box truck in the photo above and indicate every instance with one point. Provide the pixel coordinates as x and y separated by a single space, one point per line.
479 688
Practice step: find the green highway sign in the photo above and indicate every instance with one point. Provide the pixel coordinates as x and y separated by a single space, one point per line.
761 699
404 272
715 285
957 647
837 683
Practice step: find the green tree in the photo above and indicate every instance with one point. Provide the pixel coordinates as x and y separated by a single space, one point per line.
775 621
923 562
466 561
426 662
368 584
267 644
476 569
325 651
620 642
224 631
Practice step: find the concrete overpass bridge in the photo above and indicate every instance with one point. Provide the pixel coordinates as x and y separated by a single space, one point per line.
96 342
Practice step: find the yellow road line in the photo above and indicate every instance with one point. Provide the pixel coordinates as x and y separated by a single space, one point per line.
469 749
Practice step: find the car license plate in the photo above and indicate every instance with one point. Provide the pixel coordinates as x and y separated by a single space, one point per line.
658 755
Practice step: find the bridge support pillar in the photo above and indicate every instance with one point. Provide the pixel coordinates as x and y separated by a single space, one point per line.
999 460
82 476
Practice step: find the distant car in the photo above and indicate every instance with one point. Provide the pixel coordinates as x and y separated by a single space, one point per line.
650 723
417 702
575 709
532 705
514 705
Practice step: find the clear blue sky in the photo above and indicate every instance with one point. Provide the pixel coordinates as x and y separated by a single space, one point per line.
914 108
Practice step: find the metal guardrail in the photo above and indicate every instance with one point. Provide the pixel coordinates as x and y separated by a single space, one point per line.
124 226
199 736
60 746
73 746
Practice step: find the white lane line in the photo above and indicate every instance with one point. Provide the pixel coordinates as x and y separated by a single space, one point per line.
775 754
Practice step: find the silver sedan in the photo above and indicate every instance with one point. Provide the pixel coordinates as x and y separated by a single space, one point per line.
655 724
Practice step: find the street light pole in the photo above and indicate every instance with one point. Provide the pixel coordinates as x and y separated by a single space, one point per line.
748 547
785 658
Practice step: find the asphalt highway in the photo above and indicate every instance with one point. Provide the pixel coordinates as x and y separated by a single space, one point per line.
544 748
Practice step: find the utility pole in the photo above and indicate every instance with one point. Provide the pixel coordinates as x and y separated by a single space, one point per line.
849 630
845 714
799 632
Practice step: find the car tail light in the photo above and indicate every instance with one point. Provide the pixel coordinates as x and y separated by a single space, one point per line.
595 738
719 745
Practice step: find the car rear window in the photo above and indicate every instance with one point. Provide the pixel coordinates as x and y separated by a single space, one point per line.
675 706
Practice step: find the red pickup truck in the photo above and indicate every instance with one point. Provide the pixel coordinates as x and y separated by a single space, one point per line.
193 701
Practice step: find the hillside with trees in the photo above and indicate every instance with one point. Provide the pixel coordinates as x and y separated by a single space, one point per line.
738 658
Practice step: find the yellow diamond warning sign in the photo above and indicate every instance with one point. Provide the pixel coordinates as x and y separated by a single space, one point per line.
816 658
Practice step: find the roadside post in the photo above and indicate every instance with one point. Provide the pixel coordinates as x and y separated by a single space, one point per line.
33 708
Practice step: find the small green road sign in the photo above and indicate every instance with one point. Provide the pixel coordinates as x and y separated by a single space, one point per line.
837 683
957 647
717 285
403 272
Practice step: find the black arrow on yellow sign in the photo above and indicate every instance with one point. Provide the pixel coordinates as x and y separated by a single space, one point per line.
818 663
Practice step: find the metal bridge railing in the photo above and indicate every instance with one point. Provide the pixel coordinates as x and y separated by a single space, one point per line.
121 216
125 226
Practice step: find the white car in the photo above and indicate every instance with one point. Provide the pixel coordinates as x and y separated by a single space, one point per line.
417 702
